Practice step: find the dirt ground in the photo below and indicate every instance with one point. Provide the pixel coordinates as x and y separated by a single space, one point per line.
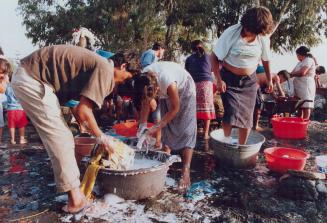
27 189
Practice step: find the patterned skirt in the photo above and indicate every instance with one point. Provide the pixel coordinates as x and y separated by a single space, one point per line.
205 109
181 132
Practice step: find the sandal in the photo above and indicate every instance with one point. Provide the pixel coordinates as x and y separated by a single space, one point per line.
81 211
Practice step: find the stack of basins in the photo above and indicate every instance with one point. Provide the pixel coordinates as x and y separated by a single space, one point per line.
281 159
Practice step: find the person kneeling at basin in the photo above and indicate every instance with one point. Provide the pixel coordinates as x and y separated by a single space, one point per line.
53 75
176 90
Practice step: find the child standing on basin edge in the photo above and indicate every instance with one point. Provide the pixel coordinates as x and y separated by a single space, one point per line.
239 49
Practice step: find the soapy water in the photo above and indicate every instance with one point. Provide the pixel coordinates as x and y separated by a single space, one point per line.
144 163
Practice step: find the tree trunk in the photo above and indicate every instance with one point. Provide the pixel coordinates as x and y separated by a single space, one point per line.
169 32
281 15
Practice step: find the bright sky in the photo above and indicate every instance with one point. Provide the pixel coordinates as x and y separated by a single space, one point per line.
15 44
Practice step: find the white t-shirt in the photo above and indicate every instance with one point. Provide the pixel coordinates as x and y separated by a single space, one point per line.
167 73
231 48
288 87
307 62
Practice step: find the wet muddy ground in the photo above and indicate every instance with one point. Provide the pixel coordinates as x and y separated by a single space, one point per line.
27 189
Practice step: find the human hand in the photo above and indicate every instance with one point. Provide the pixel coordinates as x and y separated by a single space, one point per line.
106 142
221 86
141 130
270 86
154 129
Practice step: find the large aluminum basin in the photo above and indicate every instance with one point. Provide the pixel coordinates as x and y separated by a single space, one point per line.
235 155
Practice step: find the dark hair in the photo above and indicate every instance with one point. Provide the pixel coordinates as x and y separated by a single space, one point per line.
303 51
157 46
130 58
1 51
320 70
197 48
145 87
285 74
258 20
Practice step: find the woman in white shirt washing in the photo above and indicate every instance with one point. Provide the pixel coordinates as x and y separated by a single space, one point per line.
175 88
304 80
239 49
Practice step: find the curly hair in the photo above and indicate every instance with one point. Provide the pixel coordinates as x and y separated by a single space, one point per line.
145 87
258 20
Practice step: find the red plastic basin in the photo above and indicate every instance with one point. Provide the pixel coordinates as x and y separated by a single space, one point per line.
290 127
83 147
281 159
128 128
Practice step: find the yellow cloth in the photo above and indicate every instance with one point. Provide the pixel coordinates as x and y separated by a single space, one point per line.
121 158
91 174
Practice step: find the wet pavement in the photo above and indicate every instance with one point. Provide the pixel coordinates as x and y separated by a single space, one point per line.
27 189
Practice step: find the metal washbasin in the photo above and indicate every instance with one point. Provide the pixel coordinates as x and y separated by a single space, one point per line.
136 184
235 155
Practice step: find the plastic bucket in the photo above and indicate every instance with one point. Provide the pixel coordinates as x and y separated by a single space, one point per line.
128 128
281 159
83 147
290 127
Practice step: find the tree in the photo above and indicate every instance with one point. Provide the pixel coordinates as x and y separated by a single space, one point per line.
136 24
119 25
297 21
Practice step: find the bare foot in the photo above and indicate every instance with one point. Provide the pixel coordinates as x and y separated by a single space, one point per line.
260 129
77 208
185 181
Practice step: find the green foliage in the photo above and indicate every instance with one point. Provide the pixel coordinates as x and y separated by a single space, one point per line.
136 24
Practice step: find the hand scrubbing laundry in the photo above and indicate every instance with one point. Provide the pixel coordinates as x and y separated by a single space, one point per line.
145 140
121 158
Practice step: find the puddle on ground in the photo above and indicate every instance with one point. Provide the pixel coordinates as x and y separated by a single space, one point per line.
27 189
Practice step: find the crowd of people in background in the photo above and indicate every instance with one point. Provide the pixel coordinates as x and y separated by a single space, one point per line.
175 98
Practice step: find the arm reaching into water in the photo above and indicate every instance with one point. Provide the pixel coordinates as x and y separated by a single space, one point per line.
85 113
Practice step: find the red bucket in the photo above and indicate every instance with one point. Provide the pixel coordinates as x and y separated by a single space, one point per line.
290 127
281 159
128 128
